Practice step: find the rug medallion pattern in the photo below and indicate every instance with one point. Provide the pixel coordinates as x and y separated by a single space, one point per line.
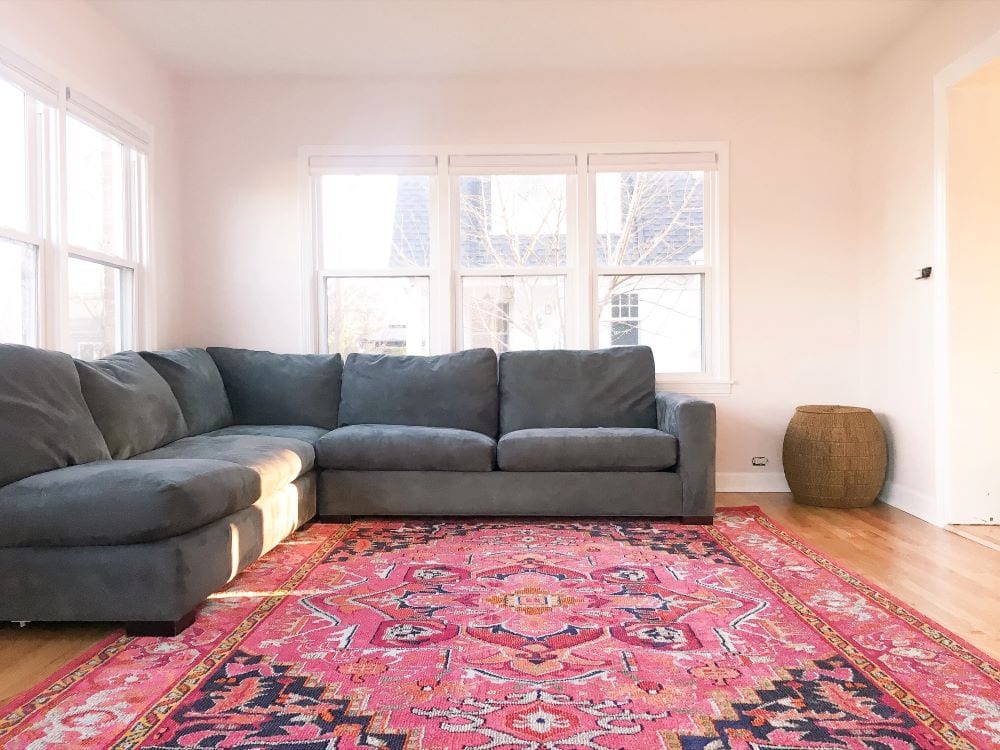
530 635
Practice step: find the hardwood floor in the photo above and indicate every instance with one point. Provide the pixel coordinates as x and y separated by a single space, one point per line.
30 654
988 536
950 579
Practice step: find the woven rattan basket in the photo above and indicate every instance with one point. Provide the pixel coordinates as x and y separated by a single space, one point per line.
834 456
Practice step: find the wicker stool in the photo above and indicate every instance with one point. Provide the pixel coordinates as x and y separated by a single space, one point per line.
834 456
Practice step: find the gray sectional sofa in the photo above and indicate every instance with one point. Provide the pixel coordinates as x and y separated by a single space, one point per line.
134 486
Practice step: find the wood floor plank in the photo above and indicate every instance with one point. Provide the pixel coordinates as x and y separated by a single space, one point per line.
942 575
30 654
988 536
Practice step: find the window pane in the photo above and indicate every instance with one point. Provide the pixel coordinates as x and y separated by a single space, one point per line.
13 158
514 312
512 220
662 312
376 221
18 293
378 315
95 189
650 218
97 306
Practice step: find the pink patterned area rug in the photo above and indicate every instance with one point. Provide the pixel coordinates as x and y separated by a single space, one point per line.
530 635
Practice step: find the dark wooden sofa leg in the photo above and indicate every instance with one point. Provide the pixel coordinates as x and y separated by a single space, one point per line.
334 519
697 520
159 628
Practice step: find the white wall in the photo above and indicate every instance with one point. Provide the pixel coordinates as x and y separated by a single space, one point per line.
70 39
973 236
896 233
793 216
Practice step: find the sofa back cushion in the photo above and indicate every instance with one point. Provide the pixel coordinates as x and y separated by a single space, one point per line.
132 405
449 390
197 385
268 389
601 388
44 420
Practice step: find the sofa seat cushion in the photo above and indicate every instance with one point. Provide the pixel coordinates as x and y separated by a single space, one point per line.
382 447
44 421
195 380
587 449
132 405
277 461
306 433
447 390
269 388
122 502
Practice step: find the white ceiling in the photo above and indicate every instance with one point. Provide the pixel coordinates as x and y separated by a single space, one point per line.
496 37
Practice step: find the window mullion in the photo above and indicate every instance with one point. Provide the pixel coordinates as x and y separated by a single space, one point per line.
34 192
455 254
130 281
442 335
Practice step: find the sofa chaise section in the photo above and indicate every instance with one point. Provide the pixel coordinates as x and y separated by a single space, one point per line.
118 509
155 587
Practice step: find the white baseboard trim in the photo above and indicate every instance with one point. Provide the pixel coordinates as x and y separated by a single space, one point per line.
905 499
748 481
910 501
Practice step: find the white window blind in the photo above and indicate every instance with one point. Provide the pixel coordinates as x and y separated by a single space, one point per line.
32 80
512 164
102 118
680 162
383 164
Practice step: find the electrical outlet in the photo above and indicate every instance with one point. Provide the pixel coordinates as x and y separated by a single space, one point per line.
759 460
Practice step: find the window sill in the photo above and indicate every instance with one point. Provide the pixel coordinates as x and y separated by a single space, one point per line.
694 386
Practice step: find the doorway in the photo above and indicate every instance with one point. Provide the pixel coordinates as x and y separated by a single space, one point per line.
970 322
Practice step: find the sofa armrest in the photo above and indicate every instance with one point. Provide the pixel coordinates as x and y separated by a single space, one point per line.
692 422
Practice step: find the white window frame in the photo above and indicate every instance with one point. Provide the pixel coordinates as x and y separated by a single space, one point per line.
48 217
495 163
134 260
713 158
41 115
581 270
348 162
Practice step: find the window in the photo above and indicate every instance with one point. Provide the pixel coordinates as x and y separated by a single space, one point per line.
23 124
73 229
653 253
374 233
625 319
591 247
106 187
513 241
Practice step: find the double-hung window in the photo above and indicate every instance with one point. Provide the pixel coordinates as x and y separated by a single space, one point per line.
516 227
106 228
26 120
541 248
73 217
655 255
373 220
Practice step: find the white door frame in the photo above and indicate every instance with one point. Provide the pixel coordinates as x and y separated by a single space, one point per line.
952 74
